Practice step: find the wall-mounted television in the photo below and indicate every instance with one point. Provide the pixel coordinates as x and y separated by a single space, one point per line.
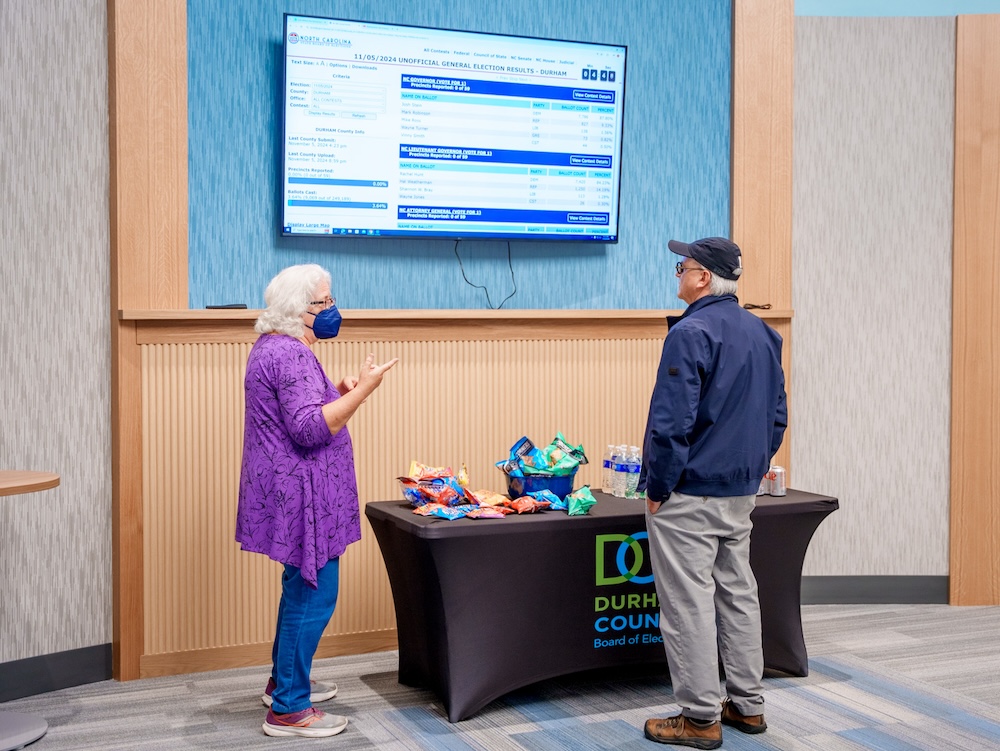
402 131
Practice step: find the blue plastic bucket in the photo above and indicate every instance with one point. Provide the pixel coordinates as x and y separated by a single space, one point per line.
561 486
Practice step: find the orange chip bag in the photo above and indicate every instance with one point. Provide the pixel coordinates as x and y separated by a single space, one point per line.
527 505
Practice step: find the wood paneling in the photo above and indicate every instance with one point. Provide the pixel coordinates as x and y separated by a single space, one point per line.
975 425
763 41
446 403
147 75
172 327
147 94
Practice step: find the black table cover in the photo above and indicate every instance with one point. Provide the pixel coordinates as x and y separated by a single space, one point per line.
485 606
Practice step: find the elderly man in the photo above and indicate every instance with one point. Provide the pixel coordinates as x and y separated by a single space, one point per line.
716 417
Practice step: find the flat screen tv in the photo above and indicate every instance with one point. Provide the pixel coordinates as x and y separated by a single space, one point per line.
401 131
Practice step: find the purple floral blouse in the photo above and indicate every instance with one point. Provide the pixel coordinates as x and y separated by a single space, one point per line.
298 499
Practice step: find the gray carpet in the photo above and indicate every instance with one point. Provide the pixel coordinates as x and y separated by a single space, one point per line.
887 677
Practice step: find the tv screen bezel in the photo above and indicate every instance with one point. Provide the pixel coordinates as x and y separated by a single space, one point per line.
504 237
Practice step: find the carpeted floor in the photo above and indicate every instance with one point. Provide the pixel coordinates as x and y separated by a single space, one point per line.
893 678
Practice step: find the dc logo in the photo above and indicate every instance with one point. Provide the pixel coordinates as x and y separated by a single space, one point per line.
293 37
628 557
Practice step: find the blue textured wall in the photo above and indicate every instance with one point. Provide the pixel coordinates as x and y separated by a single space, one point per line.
675 159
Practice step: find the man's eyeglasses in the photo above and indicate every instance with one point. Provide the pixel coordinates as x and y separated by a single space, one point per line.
329 302
681 268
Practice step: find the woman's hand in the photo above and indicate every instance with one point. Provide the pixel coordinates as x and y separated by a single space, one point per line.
354 392
371 374
346 385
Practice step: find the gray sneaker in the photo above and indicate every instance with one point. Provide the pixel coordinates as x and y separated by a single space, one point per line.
317 692
309 723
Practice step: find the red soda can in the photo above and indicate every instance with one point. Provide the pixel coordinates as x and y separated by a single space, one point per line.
779 481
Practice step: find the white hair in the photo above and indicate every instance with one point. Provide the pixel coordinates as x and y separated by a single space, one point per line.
718 286
288 296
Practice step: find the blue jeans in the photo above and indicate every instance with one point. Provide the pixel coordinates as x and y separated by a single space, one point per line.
303 614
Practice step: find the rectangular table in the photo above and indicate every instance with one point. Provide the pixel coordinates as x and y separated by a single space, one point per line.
486 606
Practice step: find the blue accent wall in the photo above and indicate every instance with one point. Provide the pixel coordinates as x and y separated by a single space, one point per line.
675 159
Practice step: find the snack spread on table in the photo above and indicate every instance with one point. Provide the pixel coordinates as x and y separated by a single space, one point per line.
442 493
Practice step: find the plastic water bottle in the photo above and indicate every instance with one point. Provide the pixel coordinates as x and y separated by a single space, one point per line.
620 467
608 472
633 463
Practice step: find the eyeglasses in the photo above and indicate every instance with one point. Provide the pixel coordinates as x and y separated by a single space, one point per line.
681 269
329 302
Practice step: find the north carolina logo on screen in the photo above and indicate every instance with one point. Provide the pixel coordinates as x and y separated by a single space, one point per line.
614 553
293 37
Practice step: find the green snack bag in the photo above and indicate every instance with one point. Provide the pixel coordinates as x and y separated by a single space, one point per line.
579 501
575 451
562 458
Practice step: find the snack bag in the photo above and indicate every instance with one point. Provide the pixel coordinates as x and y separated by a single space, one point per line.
442 490
463 476
514 464
555 502
489 512
485 497
576 452
527 505
420 471
561 458
580 501
449 512
508 469
545 495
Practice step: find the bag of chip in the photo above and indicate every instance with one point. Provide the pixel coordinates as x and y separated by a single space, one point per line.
579 501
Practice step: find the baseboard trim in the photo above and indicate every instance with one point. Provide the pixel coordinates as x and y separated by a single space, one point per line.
874 590
39 675
246 655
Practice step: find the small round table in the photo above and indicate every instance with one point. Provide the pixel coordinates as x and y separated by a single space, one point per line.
16 729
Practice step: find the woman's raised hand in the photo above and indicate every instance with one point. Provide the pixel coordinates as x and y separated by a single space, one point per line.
371 374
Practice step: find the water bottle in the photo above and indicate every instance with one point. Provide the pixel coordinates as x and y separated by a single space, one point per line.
608 472
620 468
633 463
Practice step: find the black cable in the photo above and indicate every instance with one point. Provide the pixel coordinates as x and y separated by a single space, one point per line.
751 306
489 302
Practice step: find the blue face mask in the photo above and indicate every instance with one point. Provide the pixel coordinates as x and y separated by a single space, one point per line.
327 323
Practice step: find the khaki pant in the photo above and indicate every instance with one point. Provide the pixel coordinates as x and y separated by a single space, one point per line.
700 551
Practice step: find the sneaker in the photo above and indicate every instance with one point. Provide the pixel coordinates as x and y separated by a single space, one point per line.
317 691
309 723
745 723
680 731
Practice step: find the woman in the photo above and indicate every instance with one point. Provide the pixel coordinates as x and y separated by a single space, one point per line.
298 501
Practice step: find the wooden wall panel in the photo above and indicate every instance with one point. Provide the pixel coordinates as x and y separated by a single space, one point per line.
975 426
763 39
147 82
445 403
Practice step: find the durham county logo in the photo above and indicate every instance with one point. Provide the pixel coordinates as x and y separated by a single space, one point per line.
620 558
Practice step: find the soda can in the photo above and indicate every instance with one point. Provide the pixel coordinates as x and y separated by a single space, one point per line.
779 482
765 485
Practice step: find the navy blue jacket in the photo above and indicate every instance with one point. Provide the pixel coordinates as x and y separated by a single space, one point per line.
718 413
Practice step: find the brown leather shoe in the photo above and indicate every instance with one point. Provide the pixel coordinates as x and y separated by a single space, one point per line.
745 723
679 731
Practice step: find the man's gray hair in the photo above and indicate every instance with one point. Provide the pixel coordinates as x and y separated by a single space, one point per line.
718 286
288 296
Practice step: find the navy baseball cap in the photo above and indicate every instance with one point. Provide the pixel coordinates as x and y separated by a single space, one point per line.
717 254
